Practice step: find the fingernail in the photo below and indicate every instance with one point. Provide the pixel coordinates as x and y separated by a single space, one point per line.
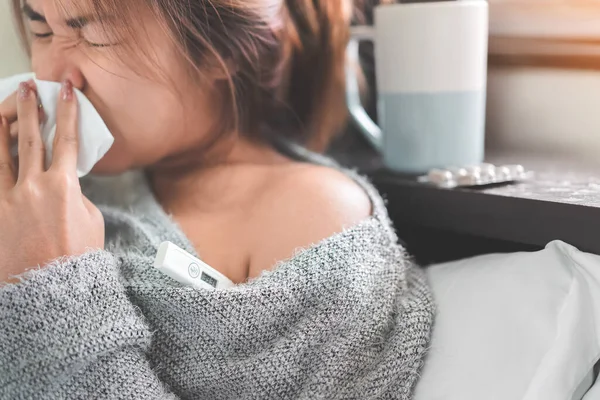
67 90
24 91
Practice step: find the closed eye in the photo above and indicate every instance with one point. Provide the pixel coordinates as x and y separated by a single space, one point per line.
43 35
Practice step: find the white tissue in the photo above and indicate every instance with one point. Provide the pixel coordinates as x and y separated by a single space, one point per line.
94 137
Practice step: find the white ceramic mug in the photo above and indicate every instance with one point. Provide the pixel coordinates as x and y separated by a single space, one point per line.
431 72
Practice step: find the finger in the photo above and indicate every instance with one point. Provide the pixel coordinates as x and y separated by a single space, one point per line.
66 140
8 106
30 145
14 129
7 168
8 109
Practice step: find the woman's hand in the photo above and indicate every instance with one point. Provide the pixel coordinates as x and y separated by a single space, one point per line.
8 109
43 214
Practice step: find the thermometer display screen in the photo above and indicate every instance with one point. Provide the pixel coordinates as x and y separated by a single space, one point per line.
208 279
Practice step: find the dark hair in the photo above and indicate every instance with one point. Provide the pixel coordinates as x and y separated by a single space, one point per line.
288 57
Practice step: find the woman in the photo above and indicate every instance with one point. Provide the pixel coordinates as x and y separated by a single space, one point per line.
207 101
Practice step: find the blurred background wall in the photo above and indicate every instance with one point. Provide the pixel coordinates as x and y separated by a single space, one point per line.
544 77
550 110
12 58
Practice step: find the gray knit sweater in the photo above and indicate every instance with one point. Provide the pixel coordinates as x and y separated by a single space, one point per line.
347 318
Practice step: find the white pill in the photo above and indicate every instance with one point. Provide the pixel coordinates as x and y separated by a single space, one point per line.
516 171
440 176
473 169
488 173
457 171
473 178
489 169
503 173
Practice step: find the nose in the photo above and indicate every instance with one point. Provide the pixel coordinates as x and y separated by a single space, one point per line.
54 64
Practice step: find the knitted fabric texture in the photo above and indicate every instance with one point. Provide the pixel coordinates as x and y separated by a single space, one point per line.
349 317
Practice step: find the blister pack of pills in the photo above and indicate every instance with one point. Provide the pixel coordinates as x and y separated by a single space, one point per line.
476 175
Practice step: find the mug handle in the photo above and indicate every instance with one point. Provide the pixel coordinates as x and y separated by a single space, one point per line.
359 115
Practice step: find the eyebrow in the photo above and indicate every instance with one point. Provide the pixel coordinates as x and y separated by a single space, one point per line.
75 23
32 14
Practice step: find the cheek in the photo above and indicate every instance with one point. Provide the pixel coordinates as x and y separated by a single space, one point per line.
138 112
144 119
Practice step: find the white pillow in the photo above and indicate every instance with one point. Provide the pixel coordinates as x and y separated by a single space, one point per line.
514 326
594 392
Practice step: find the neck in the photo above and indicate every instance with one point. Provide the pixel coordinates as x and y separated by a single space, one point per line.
187 176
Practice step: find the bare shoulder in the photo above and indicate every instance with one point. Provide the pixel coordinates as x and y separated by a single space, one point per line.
300 205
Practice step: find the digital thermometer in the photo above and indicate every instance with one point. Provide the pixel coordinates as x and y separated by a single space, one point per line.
187 269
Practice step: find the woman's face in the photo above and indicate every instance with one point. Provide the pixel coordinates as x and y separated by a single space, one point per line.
147 118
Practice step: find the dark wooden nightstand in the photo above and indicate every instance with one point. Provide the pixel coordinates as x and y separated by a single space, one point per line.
561 202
